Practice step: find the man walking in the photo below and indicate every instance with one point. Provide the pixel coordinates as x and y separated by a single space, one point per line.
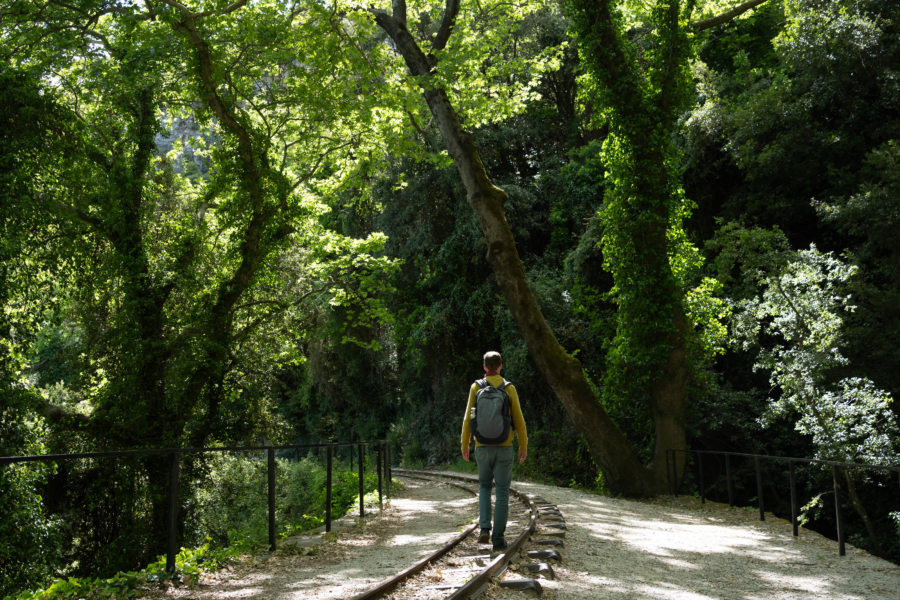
492 410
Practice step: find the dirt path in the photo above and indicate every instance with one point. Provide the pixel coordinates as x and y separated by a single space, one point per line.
346 562
668 549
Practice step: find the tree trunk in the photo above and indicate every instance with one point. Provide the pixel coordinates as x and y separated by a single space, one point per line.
668 405
613 453
645 101
860 509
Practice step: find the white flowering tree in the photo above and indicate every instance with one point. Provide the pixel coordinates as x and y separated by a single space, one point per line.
800 311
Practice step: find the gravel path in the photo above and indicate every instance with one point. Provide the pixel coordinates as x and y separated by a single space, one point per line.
677 548
669 548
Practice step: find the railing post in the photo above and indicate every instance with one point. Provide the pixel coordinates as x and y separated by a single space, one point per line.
676 484
270 468
362 474
329 450
387 466
729 480
837 511
668 470
678 477
794 509
700 477
759 489
379 449
172 545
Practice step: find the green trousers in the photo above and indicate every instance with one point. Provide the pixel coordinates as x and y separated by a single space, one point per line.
495 465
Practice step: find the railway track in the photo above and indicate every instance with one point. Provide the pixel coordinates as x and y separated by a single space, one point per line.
463 568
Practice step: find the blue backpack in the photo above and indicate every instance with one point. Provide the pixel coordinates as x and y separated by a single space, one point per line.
492 421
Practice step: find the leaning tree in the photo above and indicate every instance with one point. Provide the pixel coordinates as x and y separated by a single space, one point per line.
641 84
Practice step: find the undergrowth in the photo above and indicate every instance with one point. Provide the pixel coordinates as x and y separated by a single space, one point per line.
229 520
189 564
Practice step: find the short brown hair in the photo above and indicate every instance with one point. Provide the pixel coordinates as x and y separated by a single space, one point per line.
492 360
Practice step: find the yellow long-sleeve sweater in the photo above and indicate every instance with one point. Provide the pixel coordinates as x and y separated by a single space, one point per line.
518 429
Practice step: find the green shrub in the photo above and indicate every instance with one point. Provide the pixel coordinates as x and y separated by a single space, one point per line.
231 509
233 505
559 458
189 563
232 500
29 539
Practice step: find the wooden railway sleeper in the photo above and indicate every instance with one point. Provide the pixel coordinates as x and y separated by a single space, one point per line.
523 584
545 554
554 517
541 568
548 542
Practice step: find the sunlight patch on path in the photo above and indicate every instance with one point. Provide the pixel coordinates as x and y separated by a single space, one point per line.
678 549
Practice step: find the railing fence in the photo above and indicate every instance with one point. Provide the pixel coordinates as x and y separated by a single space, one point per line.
675 484
383 467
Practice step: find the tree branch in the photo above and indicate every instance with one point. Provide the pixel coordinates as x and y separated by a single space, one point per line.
228 9
415 123
399 8
318 163
279 308
61 415
79 215
405 45
207 13
803 325
726 16
674 49
451 9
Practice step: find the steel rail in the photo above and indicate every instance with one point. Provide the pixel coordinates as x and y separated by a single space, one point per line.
389 584
386 586
499 564
494 569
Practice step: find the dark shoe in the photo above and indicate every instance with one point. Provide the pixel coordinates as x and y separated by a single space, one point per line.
500 546
485 536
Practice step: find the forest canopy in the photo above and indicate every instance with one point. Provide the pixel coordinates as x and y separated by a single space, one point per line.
295 221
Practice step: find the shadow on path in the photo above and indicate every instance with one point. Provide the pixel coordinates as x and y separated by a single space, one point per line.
676 548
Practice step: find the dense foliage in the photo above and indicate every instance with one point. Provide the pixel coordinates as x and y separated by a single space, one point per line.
226 223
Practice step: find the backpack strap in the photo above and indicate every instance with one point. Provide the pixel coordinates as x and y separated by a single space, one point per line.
483 383
502 387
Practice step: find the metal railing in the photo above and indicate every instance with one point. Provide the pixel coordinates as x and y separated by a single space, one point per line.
383 467
674 483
